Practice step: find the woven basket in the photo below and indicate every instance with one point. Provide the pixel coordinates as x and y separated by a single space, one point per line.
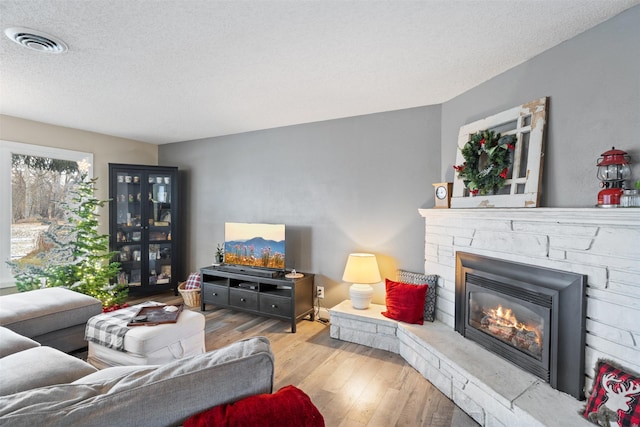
191 297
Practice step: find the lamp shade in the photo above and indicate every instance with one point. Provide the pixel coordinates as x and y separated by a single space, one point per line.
361 268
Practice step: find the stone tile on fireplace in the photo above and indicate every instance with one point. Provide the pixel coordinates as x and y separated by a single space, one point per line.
377 332
483 383
471 362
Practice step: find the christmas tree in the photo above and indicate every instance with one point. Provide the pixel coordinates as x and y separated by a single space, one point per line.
79 256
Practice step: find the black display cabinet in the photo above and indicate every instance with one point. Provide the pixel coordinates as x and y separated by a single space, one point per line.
143 226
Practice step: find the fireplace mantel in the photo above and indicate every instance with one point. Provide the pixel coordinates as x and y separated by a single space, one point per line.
602 243
596 216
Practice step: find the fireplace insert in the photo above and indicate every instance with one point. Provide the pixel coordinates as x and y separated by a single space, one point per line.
532 316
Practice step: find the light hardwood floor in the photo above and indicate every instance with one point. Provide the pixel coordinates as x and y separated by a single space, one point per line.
352 385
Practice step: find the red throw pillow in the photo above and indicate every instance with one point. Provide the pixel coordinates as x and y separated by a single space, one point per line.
193 282
614 397
288 407
405 302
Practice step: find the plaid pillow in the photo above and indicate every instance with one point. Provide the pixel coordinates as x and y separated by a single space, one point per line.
423 279
193 282
614 398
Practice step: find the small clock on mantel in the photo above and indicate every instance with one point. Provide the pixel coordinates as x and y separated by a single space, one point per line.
442 192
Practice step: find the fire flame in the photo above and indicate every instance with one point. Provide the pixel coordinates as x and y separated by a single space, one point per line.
505 317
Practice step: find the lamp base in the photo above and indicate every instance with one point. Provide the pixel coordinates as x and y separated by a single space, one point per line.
360 296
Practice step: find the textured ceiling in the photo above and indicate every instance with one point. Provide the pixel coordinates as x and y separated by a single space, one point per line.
162 71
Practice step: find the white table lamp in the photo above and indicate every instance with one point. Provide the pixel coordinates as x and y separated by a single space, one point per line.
361 270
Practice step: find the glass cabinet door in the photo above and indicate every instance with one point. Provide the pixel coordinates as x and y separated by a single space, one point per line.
159 264
129 226
159 208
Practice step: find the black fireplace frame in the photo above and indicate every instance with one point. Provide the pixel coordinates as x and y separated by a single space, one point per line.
566 292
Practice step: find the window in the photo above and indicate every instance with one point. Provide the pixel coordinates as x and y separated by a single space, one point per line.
524 177
33 180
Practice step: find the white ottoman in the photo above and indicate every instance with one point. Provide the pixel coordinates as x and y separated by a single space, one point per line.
154 345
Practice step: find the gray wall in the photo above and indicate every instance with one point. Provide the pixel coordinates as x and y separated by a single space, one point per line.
340 186
355 184
593 82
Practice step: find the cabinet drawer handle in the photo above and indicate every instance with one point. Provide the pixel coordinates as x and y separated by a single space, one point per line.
274 306
215 294
243 300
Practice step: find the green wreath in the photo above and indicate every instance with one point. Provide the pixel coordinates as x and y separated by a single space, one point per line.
487 158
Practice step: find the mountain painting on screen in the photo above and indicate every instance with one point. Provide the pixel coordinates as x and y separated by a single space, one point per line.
254 245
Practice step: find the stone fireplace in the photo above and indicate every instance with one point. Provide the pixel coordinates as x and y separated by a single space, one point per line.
532 316
601 244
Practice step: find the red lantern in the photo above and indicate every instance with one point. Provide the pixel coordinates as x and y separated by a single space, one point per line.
613 170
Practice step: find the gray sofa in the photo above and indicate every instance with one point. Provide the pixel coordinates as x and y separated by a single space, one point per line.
54 317
46 387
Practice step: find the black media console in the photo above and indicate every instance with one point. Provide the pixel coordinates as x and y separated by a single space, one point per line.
277 297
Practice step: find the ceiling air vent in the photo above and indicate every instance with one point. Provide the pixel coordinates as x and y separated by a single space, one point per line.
36 40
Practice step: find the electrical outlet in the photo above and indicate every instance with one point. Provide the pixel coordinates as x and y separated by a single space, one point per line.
320 291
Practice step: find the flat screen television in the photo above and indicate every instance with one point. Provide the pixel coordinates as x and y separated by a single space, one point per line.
254 245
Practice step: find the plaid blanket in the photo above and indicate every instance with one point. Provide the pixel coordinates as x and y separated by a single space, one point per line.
109 329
